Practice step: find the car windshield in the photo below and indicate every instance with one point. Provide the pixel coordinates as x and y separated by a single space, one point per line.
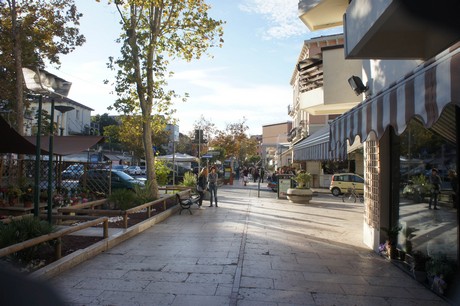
125 176
74 168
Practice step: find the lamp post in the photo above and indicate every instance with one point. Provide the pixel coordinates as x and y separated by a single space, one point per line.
63 109
44 83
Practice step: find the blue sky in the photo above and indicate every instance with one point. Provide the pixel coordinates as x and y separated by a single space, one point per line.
247 78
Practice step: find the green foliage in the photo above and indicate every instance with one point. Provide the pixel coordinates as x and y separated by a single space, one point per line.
123 199
392 233
162 172
155 32
19 230
303 179
13 192
33 32
144 194
189 180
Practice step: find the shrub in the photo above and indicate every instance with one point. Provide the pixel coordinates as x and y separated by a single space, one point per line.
303 179
123 199
189 180
144 194
19 230
161 172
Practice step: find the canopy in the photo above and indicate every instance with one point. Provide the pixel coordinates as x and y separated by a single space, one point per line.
178 157
314 147
12 142
422 94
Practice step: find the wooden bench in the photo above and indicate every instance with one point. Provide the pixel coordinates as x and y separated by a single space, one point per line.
186 203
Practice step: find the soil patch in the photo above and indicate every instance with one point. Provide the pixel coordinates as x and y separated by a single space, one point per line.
45 253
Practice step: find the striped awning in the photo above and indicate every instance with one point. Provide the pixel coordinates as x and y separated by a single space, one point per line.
314 147
424 93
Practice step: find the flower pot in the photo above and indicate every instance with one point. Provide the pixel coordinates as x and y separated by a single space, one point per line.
300 196
28 204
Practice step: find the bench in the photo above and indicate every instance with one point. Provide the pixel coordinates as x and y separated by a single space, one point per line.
186 203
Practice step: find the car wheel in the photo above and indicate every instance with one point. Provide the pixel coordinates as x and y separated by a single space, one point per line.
335 192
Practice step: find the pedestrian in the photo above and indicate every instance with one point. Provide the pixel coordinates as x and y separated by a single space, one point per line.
262 174
255 174
201 184
435 182
454 184
212 185
245 176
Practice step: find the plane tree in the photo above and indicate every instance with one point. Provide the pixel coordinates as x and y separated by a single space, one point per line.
154 32
33 32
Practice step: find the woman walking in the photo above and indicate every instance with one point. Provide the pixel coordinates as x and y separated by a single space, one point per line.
212 181
201 184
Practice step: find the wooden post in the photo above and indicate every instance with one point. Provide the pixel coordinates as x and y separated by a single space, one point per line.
106 228
125 219
58 248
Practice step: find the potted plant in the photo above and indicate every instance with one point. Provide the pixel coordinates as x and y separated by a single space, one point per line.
28 196
13 194
392 238
302 193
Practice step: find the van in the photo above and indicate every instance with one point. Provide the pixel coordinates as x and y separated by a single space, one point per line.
342 181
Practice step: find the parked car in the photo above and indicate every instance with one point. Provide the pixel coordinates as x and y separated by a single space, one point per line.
73 172
143 170
97 180
342 181
123 168
134 170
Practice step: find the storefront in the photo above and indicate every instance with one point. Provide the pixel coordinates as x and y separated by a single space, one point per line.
407 129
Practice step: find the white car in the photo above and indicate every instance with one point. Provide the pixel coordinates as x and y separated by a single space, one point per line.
134 170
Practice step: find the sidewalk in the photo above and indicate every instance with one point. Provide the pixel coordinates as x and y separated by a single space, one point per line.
249 251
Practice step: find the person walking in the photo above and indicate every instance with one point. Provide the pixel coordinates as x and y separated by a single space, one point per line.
245 176
201 184
435 181
212 181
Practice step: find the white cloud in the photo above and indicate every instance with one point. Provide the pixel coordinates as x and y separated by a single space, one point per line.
223 102
281 15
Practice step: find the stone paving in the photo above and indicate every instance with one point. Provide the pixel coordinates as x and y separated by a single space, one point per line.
253 249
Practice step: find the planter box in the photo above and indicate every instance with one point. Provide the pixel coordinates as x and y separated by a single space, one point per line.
301 196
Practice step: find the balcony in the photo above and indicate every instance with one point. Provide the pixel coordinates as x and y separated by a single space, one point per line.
386 30
322 14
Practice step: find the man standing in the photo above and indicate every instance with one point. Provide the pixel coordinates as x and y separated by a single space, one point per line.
435 181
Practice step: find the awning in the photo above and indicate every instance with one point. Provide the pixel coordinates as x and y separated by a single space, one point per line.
12 142
314 147
113 157
178 157
423 94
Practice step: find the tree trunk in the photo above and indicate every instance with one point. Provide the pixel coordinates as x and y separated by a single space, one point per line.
16 28
149 156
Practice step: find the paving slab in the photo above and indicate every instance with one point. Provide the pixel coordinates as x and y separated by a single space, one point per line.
254 249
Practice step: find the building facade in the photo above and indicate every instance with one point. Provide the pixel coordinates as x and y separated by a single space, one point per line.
70 117
408 121
274 143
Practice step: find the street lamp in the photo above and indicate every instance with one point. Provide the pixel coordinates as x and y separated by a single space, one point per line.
42 83
63 109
